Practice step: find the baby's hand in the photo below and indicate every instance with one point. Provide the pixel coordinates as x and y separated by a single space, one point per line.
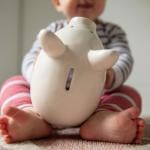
110 77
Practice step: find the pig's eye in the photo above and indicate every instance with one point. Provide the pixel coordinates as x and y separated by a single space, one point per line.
91 32
69 79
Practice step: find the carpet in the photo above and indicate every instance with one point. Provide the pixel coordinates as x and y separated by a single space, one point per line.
69 140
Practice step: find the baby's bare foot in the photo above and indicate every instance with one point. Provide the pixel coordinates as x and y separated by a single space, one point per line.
19 125
119 127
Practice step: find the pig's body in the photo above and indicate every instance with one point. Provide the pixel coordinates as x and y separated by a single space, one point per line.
69 74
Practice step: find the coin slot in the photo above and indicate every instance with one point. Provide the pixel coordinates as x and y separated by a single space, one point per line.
69 79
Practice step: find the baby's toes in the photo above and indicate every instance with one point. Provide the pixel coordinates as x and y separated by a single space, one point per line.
3 132
140 126
3 125
140 122
3 120
8 139
140 131
138 138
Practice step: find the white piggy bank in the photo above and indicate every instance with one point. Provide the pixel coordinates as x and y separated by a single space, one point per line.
69 74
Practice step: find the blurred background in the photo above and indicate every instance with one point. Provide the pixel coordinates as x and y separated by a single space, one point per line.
21 20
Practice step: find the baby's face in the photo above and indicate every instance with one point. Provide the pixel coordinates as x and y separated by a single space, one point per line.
84 8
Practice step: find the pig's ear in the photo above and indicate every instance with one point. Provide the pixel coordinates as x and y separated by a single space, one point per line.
52 45
102 59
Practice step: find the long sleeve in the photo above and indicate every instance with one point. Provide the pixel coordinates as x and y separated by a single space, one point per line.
114 37
30 57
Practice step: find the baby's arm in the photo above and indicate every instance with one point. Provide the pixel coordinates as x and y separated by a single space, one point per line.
30 58
124 65
110 78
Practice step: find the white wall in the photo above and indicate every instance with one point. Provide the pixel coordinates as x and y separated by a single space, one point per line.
132 15
9 14
37 15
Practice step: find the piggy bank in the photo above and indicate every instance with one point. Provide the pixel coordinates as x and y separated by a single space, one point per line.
69 74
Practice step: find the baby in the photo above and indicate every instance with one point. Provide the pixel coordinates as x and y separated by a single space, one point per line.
116 118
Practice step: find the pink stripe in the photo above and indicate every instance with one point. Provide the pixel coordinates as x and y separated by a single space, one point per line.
124 97
131 92
118 100
12 90
16 100
15 78
24 106
12 83
20 101
15 92
109 106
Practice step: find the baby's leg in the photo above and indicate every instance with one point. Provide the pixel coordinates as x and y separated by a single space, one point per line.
116 119
19 121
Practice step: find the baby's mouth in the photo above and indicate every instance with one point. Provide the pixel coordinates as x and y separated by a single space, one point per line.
84 6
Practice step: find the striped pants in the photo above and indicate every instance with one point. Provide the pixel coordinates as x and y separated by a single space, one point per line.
16 92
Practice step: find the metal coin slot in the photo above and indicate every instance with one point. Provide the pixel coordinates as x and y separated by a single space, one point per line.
69 79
